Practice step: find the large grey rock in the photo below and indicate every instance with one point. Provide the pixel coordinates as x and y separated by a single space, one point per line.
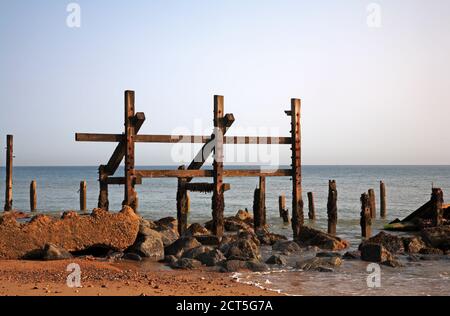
267 238
208 240
286 246
313 237
392 243
413 244
321 264
168 222
437 237
196 229
145 226
195 252
149 245
180 246
242 249
233 224
328 255
53 252
168 235
186 264
352 255
277 259
211 258
233 265
256 266
375 253
132 256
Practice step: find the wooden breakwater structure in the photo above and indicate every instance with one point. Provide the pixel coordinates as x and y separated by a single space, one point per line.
213 144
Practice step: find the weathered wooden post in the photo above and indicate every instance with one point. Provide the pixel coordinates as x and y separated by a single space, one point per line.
33 196
183 204
9 174
332 207
297 201
382 199
83 187
373 209
311 206
437 199
366 217
218 202
130 132
285 216
284 212
281 204
259 205
103 201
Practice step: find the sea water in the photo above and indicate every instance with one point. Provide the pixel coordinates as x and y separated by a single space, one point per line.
408 187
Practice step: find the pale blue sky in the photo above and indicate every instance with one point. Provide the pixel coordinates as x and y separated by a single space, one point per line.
370 95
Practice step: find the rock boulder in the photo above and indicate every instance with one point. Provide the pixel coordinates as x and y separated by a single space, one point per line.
115 231
313 237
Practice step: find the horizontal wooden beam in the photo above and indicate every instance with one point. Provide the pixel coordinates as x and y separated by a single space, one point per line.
204 187
171 139
209 173
230 140
121 180
92 137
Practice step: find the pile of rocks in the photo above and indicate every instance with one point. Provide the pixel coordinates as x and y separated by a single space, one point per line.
385 248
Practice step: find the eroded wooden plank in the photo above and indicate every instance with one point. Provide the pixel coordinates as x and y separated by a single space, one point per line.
209 173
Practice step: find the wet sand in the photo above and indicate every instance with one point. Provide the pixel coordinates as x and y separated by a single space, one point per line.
38 278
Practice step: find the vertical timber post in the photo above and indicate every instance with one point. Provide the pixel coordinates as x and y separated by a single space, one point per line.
259 205
33 196
218 203
297 201
382 199
9 174
183 204
373 208
311 206
83 187
262 199
366 216
437 199
103 201
332 207
281 204
130 130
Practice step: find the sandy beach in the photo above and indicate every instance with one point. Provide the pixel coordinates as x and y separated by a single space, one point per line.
38 278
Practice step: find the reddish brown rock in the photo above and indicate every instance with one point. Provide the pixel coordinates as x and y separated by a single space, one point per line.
392 243
375 253
437 237
196 229
413 244
116 231
313 237
17 214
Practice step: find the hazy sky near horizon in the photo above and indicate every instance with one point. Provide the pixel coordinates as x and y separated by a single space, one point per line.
369 95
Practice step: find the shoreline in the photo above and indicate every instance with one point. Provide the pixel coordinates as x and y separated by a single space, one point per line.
48 278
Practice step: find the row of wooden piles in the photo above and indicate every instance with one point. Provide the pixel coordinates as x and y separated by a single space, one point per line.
368 201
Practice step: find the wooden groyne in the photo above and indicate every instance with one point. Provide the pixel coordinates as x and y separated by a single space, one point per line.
214 145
